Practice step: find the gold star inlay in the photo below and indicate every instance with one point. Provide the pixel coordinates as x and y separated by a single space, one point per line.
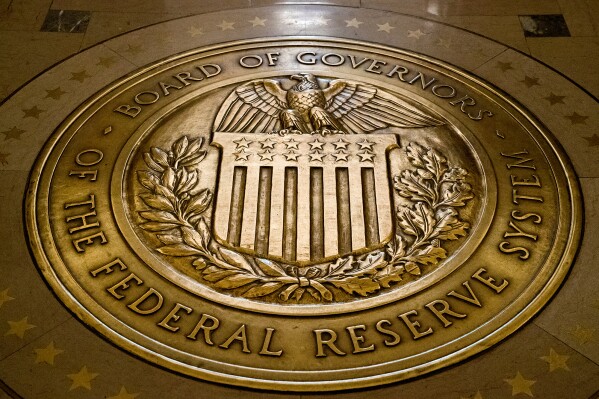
195 31
291 143
416 34
577 119
353 23
556 361
55 94
291 155
82 379
520 385
80 76
340 144
258 22
340 156
365 145
18 328
13 133
47 354
133 49
593 142
321 21
555 99
583 335
444 43
106 62
225 25
123 394
3 156
241 155
317 156
530 81
316 145
33 112
366 156
504 66
385 27
4 297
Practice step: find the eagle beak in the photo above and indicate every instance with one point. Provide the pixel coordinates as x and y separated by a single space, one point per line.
297 77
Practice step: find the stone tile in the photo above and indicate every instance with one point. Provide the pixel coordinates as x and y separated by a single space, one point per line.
183 7
23 15
346 3
582 70
104 25
25 54
593 7
542 48
66 21
505 29
578 15
465 7
487 374
573 316
553 25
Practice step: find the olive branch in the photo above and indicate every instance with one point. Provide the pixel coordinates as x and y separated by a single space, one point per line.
178 204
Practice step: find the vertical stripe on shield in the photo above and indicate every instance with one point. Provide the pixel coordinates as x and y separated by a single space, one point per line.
290 215
316 214
343 211
236 209
371 220
263 211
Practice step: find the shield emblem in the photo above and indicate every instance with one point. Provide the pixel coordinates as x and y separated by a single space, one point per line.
303 198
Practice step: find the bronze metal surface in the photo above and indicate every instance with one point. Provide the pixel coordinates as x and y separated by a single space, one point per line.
303 214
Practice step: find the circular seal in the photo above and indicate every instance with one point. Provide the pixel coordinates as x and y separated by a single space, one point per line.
302 214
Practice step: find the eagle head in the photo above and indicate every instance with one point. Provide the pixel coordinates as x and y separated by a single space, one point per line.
307 81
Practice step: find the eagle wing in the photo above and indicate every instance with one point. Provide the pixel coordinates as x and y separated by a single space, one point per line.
253 107
363 108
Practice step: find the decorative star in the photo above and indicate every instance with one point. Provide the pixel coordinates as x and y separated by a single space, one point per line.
340 144
291 143
317 156
340 156
133 50
477 395
257 22
555 99
385 27
225 25
243 143
291 155
18 328
365 145
3 156
530 81
195 31
583 335
268 143
416 34
47 354
79 76
593 142
106 62
321 21
354 23
520 385
4 297
82 379
556 361
13 133
577 119
316 145
241 155
504 66
366 156
444 43
266 155
55 94
123 394
33 112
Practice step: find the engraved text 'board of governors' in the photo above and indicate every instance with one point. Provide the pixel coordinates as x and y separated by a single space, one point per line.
303 214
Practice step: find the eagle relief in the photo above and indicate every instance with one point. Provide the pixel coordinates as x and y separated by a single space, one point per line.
309 204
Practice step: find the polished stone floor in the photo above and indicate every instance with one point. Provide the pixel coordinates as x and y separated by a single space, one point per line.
542 52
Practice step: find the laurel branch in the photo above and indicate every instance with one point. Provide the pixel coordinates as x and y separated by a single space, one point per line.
433 190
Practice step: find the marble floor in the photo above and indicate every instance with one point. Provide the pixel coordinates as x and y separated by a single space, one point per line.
543 52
